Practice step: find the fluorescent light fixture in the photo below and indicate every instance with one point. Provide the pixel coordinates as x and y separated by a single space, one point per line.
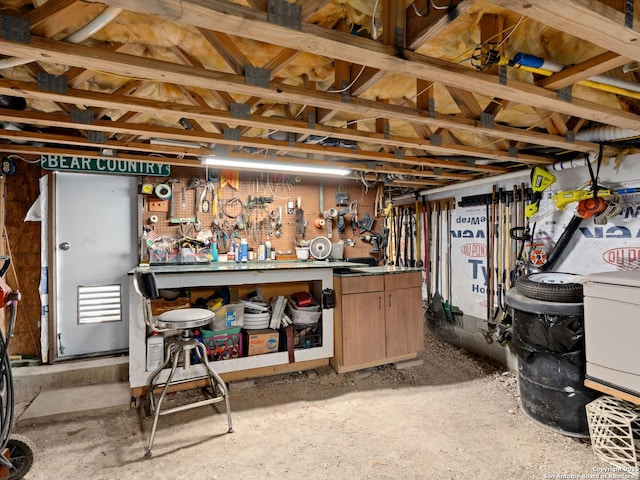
284 167
173 143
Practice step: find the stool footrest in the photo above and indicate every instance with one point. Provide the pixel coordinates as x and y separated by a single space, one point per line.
201 403
160 386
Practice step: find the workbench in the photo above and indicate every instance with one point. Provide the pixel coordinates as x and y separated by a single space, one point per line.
315 275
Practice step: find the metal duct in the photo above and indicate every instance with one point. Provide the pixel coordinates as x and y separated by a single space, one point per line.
607 133
106 16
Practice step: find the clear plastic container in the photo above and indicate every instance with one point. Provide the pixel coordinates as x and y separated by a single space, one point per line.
228 316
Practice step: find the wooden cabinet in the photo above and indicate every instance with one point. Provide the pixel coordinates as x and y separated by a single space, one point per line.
360 315
378 319
403 313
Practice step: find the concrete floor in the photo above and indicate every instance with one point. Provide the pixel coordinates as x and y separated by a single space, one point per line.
451 416
72 402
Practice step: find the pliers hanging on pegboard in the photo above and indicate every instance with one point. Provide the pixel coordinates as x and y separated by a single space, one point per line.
353 211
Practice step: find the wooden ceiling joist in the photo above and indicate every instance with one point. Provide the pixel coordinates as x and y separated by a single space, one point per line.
589 68
160 71
420 29
359 121
60 121
589 19
143 105
241 21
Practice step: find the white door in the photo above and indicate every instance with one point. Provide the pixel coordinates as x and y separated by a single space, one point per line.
95 247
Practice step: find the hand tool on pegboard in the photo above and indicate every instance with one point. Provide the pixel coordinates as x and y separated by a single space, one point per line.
353 211
194 183
172 183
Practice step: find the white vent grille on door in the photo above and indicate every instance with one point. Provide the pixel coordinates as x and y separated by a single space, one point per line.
99 304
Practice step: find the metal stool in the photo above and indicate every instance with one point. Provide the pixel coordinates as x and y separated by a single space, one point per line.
178 347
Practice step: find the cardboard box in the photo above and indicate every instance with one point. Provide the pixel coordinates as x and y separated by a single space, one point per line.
261 341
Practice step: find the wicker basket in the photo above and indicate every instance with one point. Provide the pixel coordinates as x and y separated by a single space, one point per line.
614 426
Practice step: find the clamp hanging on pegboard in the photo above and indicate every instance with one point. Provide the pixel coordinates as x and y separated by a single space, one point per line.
342 196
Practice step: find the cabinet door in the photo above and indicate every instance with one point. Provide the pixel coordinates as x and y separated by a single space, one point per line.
363 328
404 324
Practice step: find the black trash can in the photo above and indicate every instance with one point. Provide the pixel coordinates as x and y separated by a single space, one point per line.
548 338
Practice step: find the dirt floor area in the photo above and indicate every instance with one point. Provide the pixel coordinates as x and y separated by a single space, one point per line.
453 417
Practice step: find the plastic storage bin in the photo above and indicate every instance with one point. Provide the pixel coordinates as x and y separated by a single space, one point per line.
228 316
303 315
304 336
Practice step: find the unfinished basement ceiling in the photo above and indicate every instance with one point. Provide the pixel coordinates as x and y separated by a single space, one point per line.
423 95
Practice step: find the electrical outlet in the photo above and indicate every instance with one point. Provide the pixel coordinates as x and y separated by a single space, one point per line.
8 166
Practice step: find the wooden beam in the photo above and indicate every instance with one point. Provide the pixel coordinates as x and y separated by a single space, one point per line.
258 4
496 106
492 33
52 18
365 80
424 95
311 7
78 75
188 157
61 121
552 122
589 68
196 99
227 49
238 20
29 90
285 56
394 24
341 80
223 98
466 102
590 20
421 29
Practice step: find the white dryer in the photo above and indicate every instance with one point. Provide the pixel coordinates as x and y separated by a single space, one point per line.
612 329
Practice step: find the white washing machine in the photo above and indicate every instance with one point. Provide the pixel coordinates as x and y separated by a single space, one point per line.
612 329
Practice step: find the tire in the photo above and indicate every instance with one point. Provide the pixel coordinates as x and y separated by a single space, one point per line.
551 287
22 455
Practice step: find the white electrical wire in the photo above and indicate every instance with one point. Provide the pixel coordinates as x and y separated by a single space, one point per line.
18 157
350 85
426 11
375 33
512 30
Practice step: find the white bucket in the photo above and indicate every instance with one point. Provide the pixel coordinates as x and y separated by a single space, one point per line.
302 253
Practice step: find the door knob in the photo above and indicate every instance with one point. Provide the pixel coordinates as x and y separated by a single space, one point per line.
64 246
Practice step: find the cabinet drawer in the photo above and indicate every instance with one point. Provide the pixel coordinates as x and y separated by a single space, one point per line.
402 280
366 283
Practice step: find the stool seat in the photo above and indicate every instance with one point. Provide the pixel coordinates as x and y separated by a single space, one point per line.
185 318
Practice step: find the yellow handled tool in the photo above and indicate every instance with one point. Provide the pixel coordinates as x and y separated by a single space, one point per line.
564 198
